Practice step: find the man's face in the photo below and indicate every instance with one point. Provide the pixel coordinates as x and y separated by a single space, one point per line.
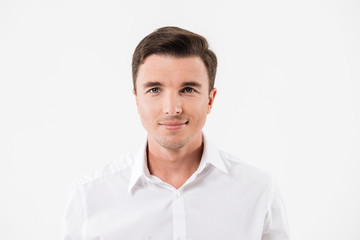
173 100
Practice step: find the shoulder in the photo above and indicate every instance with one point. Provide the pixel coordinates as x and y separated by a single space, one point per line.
240 170
118 167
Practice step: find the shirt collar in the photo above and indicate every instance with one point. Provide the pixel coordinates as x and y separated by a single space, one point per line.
139 166
211 155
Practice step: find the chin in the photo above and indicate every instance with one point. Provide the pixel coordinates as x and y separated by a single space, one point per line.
172 143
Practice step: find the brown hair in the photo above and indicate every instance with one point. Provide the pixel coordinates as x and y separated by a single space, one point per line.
177 42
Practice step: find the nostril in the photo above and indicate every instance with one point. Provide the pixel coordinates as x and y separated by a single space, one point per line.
172 105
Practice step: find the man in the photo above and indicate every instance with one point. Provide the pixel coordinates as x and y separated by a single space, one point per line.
178 186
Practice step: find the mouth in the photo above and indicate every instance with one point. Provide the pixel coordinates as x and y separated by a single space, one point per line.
173 125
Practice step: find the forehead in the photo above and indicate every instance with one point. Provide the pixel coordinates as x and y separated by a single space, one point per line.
172 70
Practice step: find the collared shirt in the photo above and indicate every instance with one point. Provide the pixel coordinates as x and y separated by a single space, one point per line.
225 198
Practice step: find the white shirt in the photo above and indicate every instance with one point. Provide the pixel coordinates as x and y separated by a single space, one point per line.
224 199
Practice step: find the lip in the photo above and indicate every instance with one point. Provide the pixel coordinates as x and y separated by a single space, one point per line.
173 125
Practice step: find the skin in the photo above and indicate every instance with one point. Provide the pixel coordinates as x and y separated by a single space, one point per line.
173 101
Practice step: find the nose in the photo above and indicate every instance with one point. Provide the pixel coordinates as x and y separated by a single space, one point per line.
172 104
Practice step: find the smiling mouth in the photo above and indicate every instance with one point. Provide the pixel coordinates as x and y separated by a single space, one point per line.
174 125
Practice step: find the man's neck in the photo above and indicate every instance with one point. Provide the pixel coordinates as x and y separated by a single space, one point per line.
174 167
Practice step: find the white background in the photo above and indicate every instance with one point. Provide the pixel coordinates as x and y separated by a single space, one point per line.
288 101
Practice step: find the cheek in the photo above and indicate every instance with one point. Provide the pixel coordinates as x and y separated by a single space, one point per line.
199 111
147 112
144 113
203 107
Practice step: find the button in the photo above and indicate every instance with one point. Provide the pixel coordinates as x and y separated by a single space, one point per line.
178 194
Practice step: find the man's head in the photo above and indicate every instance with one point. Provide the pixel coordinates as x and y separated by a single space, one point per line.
172 70
176 42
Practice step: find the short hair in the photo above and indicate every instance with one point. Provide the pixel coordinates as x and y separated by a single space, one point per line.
176 42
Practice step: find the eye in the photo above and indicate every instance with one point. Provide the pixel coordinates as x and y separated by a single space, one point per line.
154 90
188 90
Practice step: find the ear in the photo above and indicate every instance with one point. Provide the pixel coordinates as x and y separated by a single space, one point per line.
136 100
211 99
134 92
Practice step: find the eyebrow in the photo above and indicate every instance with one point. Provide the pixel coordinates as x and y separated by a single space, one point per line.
152 84
193 84
159 84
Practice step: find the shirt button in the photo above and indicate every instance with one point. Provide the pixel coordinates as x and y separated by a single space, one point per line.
178 194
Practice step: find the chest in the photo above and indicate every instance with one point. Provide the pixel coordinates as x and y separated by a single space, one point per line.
212 212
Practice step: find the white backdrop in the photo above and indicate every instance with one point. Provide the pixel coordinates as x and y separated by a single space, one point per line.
288 100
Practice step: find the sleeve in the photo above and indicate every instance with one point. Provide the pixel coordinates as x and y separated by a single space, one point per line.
74 215
276 223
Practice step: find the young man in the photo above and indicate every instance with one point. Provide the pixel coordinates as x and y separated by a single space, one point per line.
178 186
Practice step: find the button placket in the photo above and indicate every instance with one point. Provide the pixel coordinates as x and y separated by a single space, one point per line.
179 224
178 193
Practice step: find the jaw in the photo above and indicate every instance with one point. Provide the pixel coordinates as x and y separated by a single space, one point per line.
178 139
173 139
